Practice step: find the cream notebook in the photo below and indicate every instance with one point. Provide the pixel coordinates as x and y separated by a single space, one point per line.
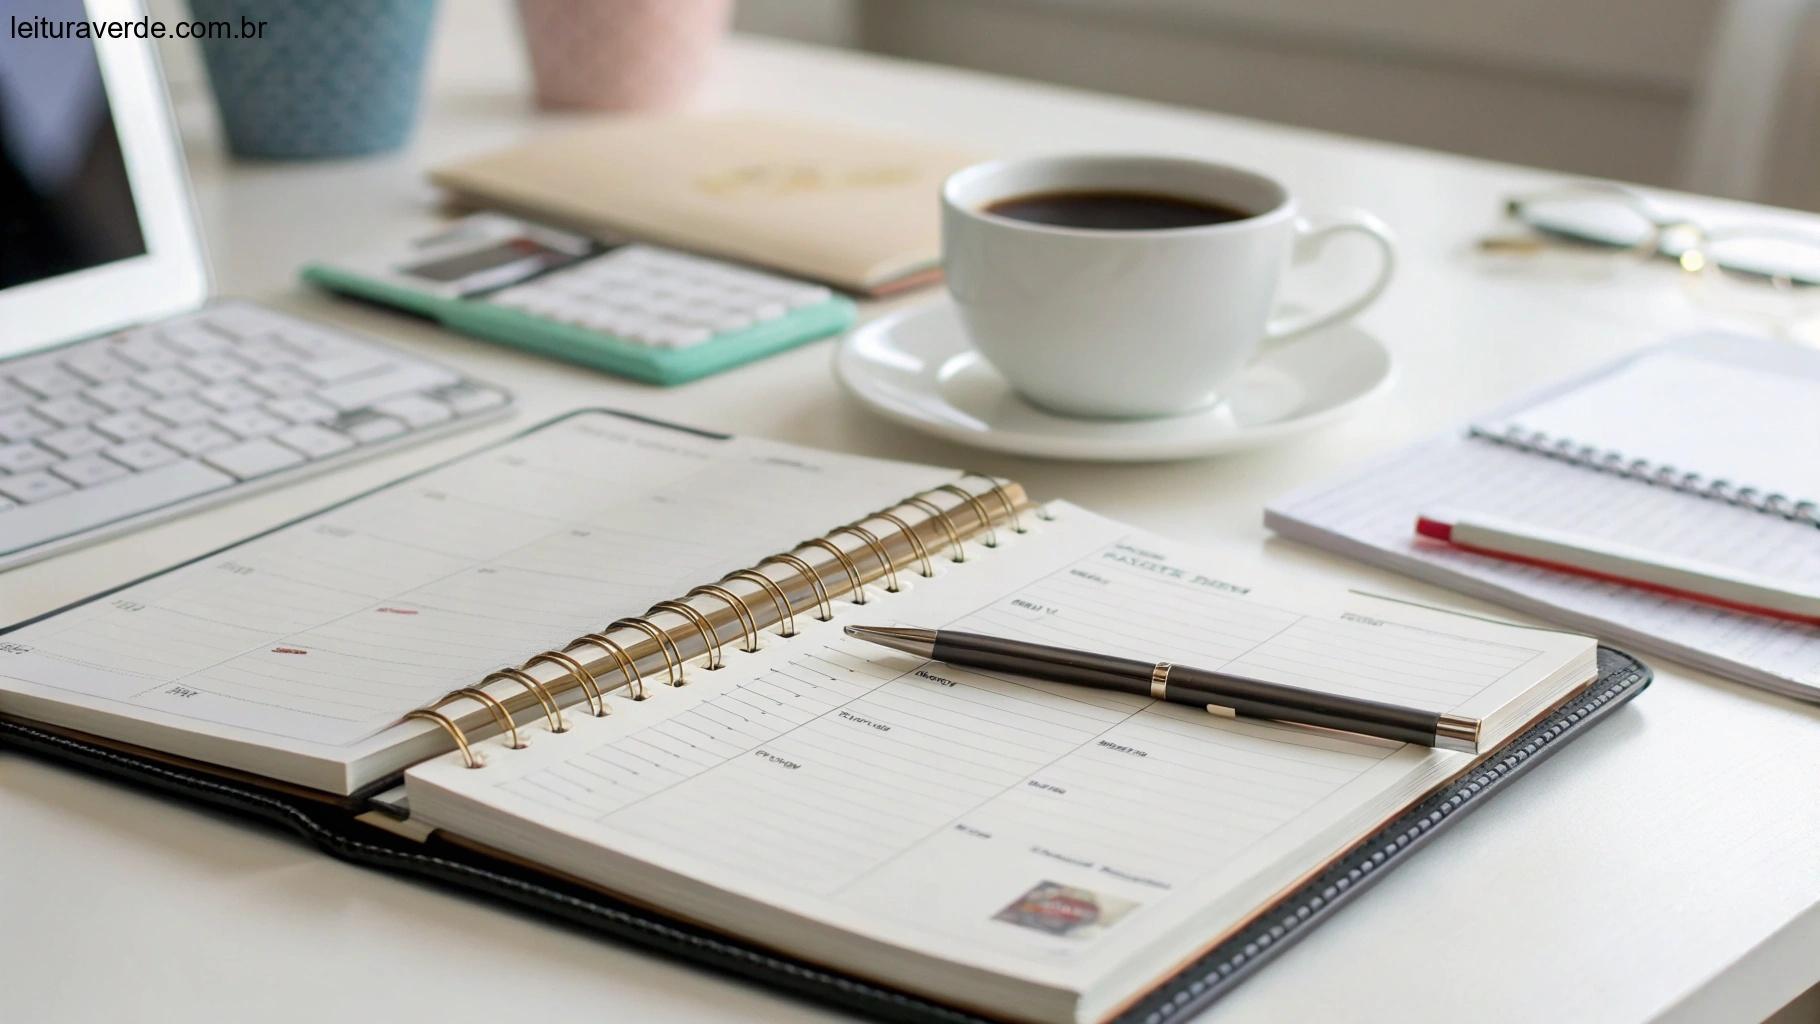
633 691
852 207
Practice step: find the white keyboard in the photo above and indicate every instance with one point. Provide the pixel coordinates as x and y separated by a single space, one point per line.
110 433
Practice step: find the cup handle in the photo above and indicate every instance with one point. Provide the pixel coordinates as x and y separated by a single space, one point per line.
1311 237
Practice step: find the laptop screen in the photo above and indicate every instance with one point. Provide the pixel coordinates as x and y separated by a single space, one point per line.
65 201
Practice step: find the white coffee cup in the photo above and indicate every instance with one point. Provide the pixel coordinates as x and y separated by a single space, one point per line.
1132 323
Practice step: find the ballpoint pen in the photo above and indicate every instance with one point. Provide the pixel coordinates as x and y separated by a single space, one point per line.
1219 693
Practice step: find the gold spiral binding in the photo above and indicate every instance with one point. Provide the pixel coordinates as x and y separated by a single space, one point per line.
635 683
935 513
748 623
979 509
998 491
878 551
742 608
807 571
524 679
853 576
916 543
583 678
501 716
786 620
672 658
454 731
710 638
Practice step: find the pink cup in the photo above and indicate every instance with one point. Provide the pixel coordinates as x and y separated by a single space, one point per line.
622 55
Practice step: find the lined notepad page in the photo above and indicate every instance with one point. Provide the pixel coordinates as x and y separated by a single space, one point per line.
917 803
321 634
1372 516
1749 426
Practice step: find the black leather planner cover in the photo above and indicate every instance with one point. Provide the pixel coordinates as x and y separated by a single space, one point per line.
336 831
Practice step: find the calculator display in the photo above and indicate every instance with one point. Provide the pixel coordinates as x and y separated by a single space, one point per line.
494 265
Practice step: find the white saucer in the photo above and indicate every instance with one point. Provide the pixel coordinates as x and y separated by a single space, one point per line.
917 368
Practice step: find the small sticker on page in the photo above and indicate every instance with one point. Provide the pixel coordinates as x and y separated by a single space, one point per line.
1065 910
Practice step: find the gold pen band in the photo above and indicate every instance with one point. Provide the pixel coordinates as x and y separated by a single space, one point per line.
1159 681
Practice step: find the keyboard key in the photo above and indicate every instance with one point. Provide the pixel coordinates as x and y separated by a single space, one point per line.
194 339
169 381
415 410
97 364
144 350
254 458
230 395
265 353
196 439
467 398
89 470
128 426
300 409
48 380
119 395
243 321
69 410
314 441
367 427
74 513
249 423
215 367
181 411
24 457
141 455
281 383
364 391
27 488
19 424
349 364
13 396
73 441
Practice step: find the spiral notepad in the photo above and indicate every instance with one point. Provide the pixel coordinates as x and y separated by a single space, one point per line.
1699 448
1706 423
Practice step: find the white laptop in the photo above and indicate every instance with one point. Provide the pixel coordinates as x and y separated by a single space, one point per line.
126 396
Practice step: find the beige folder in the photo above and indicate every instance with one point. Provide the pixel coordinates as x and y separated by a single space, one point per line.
852 207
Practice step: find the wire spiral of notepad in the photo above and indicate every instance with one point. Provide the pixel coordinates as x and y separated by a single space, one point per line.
709 618
1605 460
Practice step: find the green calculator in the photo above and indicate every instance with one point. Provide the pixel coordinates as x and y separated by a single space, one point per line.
633 309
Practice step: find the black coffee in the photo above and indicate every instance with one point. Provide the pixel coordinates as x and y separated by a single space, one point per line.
1105 210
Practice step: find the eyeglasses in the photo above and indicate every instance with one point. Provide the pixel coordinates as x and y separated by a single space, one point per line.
1762 270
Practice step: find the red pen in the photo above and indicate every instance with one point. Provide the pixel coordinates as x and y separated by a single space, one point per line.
1618 563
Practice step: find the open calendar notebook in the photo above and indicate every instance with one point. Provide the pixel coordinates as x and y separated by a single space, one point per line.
1024 849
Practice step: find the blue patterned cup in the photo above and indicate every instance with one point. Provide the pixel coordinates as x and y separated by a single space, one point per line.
325 78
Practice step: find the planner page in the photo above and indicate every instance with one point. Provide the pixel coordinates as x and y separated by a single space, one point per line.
314 638
1372 515
1002 826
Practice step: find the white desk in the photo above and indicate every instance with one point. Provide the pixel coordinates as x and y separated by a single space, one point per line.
1666 866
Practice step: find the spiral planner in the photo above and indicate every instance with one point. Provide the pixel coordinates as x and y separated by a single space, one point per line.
727 779
1701 448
